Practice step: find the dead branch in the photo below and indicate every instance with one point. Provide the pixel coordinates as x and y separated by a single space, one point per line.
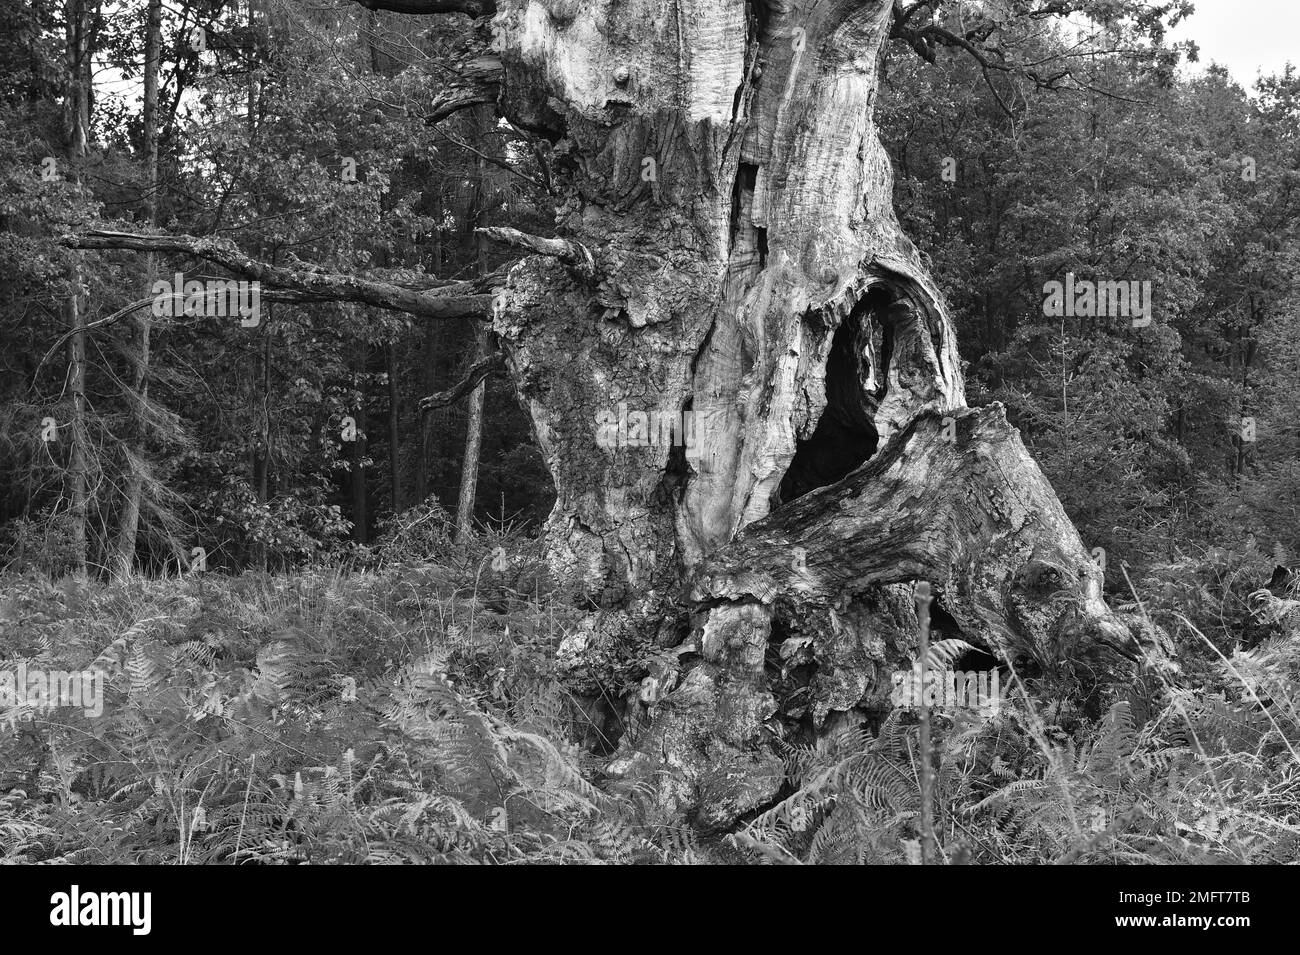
303 283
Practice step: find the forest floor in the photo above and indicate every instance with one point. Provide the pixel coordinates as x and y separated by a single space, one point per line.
412 713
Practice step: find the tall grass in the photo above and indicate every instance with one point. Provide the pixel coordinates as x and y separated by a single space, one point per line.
399 711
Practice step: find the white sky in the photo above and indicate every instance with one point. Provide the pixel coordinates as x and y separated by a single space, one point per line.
1246 36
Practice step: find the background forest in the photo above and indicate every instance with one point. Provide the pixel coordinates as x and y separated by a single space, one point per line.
313 570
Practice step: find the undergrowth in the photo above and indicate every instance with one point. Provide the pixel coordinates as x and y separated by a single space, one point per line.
1211 775
410 712
409 715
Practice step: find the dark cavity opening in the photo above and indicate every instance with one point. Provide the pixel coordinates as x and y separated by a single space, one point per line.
943 626
856 375
741 192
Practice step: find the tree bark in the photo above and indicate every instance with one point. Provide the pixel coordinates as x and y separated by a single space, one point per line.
431 350
394 454
304 283
740 204
129 519
80 16
474 417
822 584
474 376
473 449
728 260
751 284
357 482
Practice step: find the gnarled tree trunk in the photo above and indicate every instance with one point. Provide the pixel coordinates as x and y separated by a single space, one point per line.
734 256
725 173
727 251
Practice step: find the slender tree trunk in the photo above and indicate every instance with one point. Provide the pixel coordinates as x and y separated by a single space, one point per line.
390 352
360 521
394 456
433 346
78 461
1247 350
129 519
262 476
78 53
474 419
428 379
473 448
260 391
